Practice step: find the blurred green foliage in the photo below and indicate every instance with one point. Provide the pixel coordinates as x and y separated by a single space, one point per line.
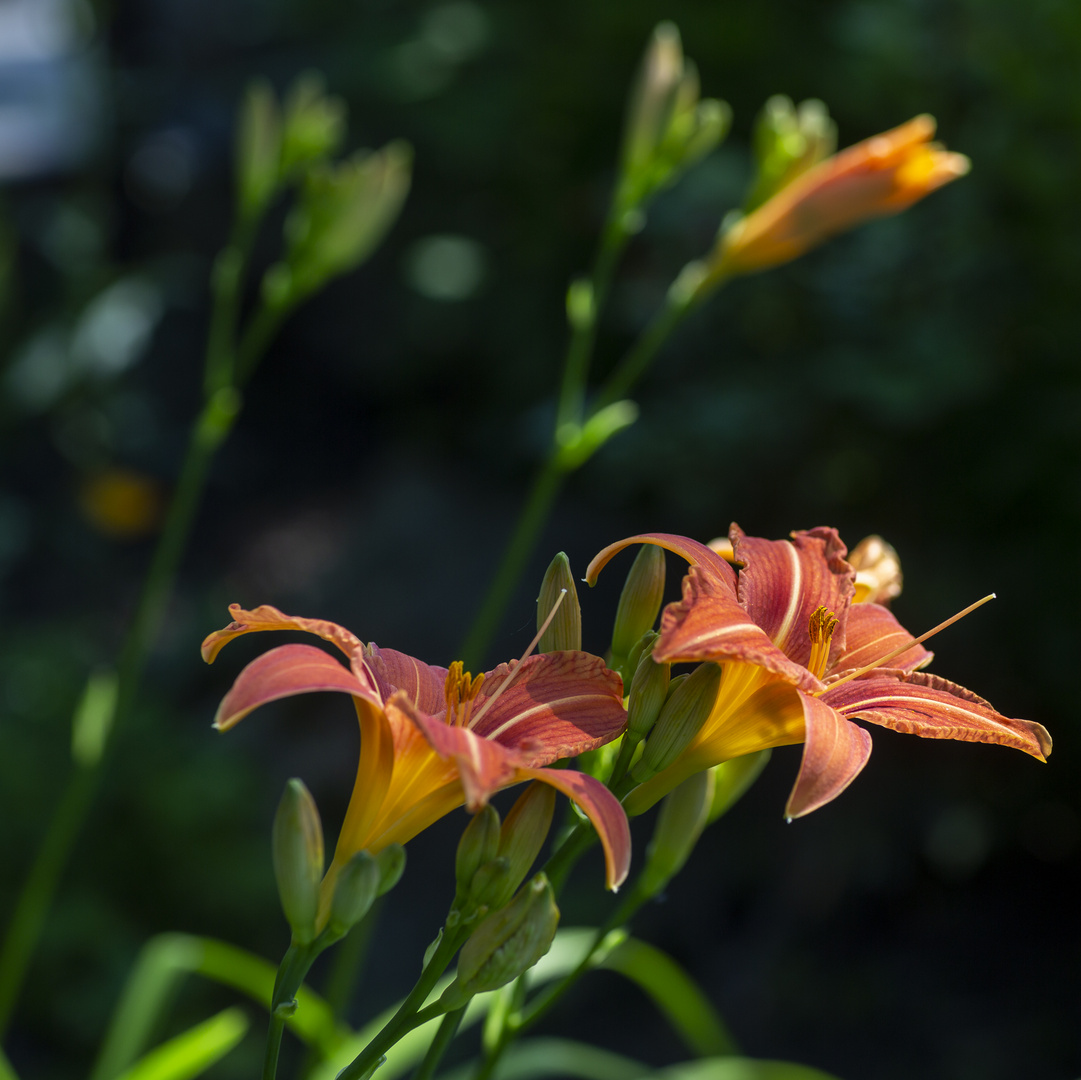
917 378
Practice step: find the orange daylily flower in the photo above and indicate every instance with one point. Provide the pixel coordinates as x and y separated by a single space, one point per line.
880 176
800 660
432 738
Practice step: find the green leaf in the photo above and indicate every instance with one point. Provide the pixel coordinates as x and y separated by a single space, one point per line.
535 1058
731 1068
193 1052
6 1071
157 974
675 994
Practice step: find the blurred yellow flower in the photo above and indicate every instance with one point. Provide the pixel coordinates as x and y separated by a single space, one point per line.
121 503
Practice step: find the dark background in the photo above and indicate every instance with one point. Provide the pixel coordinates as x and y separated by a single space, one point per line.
917 378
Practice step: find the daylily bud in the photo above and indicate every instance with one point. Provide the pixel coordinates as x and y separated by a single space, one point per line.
787 142
732 778
391 862
878 571
684 713
258 149
879 176
479 845
314 124
342 214
507 943
565 629
298 859
640 601
355 889
649 689
667 128
525 829
683 815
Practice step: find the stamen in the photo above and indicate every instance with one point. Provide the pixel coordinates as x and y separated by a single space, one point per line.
517 667
459 690
915 641
820 628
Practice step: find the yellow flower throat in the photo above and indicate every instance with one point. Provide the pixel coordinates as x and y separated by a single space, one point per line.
460 690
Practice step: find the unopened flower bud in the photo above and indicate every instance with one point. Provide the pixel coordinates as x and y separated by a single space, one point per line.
683 815
479 845
391 862
298 859
683 715
313 125
355 889
732 778
524 831
565 629
640 601
649 689
258 149
878 571
506 944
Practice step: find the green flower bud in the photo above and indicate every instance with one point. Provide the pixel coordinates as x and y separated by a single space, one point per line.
649 689
787 142
258 149
683 815
355 890
298 859
507 943
342 214
524 831
565 629
314 124
479 845
639 603
684 713
733 778
391 862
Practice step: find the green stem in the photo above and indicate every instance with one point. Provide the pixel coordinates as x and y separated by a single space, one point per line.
572 392
522 542
409 1014
33 905
294 967
641 354
257 337
443 1038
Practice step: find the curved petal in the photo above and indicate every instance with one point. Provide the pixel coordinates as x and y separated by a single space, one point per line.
284 672
483 766
919 703
425 684
834 752
783 581
873 632
603 810
713 566
266 617
558 705
709 624
374 771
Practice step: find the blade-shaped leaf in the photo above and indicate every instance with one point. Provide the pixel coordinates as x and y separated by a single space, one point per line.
675 994
532 1059
740 1069
193 1052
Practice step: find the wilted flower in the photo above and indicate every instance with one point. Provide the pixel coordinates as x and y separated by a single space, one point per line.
433 738
799 660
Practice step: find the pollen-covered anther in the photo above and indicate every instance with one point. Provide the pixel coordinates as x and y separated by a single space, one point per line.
820 628
459 690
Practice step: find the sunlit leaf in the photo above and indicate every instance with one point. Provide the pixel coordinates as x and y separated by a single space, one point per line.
193 1052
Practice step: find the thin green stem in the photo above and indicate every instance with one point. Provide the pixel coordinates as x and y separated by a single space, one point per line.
34 902
641 354
572 393
410 1013
443 1038
257 337
522 542
294 967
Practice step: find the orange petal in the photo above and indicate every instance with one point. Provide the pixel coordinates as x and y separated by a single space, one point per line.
834 752
424 684
266 617
604 812
559 705
918 703
871 632
712 565
284 672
